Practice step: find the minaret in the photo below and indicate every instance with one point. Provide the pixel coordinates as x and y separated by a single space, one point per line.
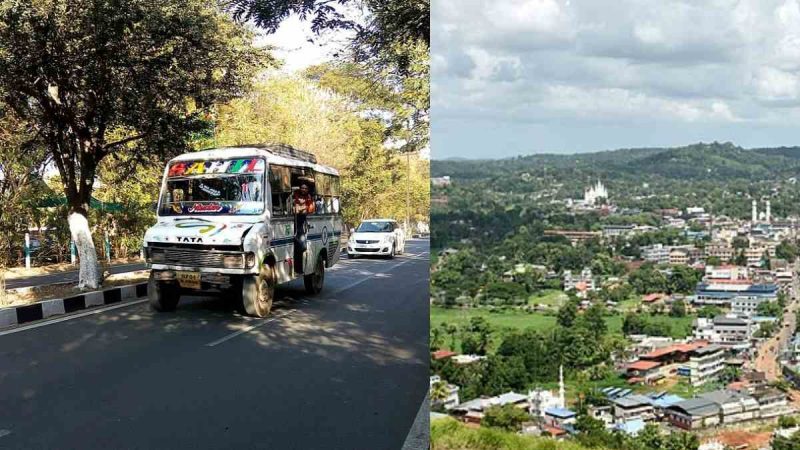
755 212
561 398
769 212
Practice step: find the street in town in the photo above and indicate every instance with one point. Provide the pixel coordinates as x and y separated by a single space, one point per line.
345 369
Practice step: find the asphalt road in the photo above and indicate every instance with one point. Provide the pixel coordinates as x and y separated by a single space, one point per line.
62 277
347 369
768 354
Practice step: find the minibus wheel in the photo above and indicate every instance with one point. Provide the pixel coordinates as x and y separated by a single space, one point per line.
314 281
163 297
258 292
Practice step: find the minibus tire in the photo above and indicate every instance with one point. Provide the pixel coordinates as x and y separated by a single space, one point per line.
316 280
258 292
162 296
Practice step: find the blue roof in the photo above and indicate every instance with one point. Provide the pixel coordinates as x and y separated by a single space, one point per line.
632 427
562 413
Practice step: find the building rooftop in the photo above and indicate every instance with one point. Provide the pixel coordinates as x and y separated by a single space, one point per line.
561 413
632 401
696 407
643 365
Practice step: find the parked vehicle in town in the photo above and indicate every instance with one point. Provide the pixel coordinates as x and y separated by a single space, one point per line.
377 237
228 221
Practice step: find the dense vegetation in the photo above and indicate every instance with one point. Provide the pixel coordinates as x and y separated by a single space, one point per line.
490 199
364 113
448 434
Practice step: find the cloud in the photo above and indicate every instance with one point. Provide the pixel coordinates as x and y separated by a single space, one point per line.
678 65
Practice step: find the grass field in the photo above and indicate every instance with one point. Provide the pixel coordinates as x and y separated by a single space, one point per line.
550 297
511 319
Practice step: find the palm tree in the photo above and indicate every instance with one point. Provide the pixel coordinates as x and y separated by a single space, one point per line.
439 392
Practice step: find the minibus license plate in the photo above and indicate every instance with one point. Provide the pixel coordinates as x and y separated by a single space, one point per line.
189 280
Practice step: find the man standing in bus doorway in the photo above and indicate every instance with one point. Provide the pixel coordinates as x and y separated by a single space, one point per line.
303 205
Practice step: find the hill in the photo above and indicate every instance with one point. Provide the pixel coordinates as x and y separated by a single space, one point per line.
701 161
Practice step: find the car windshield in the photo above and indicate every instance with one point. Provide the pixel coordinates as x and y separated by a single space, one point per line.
374 227
208 188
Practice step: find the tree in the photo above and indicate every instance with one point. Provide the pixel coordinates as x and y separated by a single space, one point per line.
709 311
740 242
390 23
439 392
95 77
786 250
507 417
22 163
594 320
647 280
568 313
683 279
678 309
740 259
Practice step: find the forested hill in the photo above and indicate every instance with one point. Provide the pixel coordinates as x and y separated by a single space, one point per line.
489 200
694 162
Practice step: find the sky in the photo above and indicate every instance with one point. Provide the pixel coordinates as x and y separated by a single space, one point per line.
568 76
298 47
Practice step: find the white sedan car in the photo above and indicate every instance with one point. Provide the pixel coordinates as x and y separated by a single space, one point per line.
379 237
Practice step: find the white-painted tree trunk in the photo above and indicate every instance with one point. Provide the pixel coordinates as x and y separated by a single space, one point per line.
89 275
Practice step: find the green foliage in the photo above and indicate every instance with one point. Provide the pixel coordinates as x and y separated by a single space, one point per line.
648 280
709 311
506 417
770 309
787 422
678 309
786 250
449 434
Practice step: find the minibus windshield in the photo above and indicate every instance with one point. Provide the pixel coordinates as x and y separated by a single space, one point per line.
226 187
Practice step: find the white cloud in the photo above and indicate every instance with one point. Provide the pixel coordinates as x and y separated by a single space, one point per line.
718 63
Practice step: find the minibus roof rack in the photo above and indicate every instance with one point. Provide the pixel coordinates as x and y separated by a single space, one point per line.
283 150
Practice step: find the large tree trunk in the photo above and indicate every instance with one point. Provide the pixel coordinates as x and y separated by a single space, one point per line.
89 277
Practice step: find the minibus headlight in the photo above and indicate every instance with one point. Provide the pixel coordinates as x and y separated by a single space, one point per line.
232 261
250 259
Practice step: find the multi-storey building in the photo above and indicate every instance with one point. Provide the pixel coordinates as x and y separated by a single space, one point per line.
730 331
721 251
656 253
705 364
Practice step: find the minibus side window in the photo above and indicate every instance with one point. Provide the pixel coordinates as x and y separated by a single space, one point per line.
281 188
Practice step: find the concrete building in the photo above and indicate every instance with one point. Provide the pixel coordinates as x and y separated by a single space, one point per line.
723 252
705 364
679 256
656 253
611 231
633 406
729 331
721 292
725 407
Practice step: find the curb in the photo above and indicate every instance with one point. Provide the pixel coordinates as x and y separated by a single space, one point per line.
15 315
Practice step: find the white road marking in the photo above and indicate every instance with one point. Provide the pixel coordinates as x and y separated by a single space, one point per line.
4 432
365 279
72 316
249 329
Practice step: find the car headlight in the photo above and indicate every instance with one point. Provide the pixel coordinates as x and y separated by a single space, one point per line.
232 261
157 255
